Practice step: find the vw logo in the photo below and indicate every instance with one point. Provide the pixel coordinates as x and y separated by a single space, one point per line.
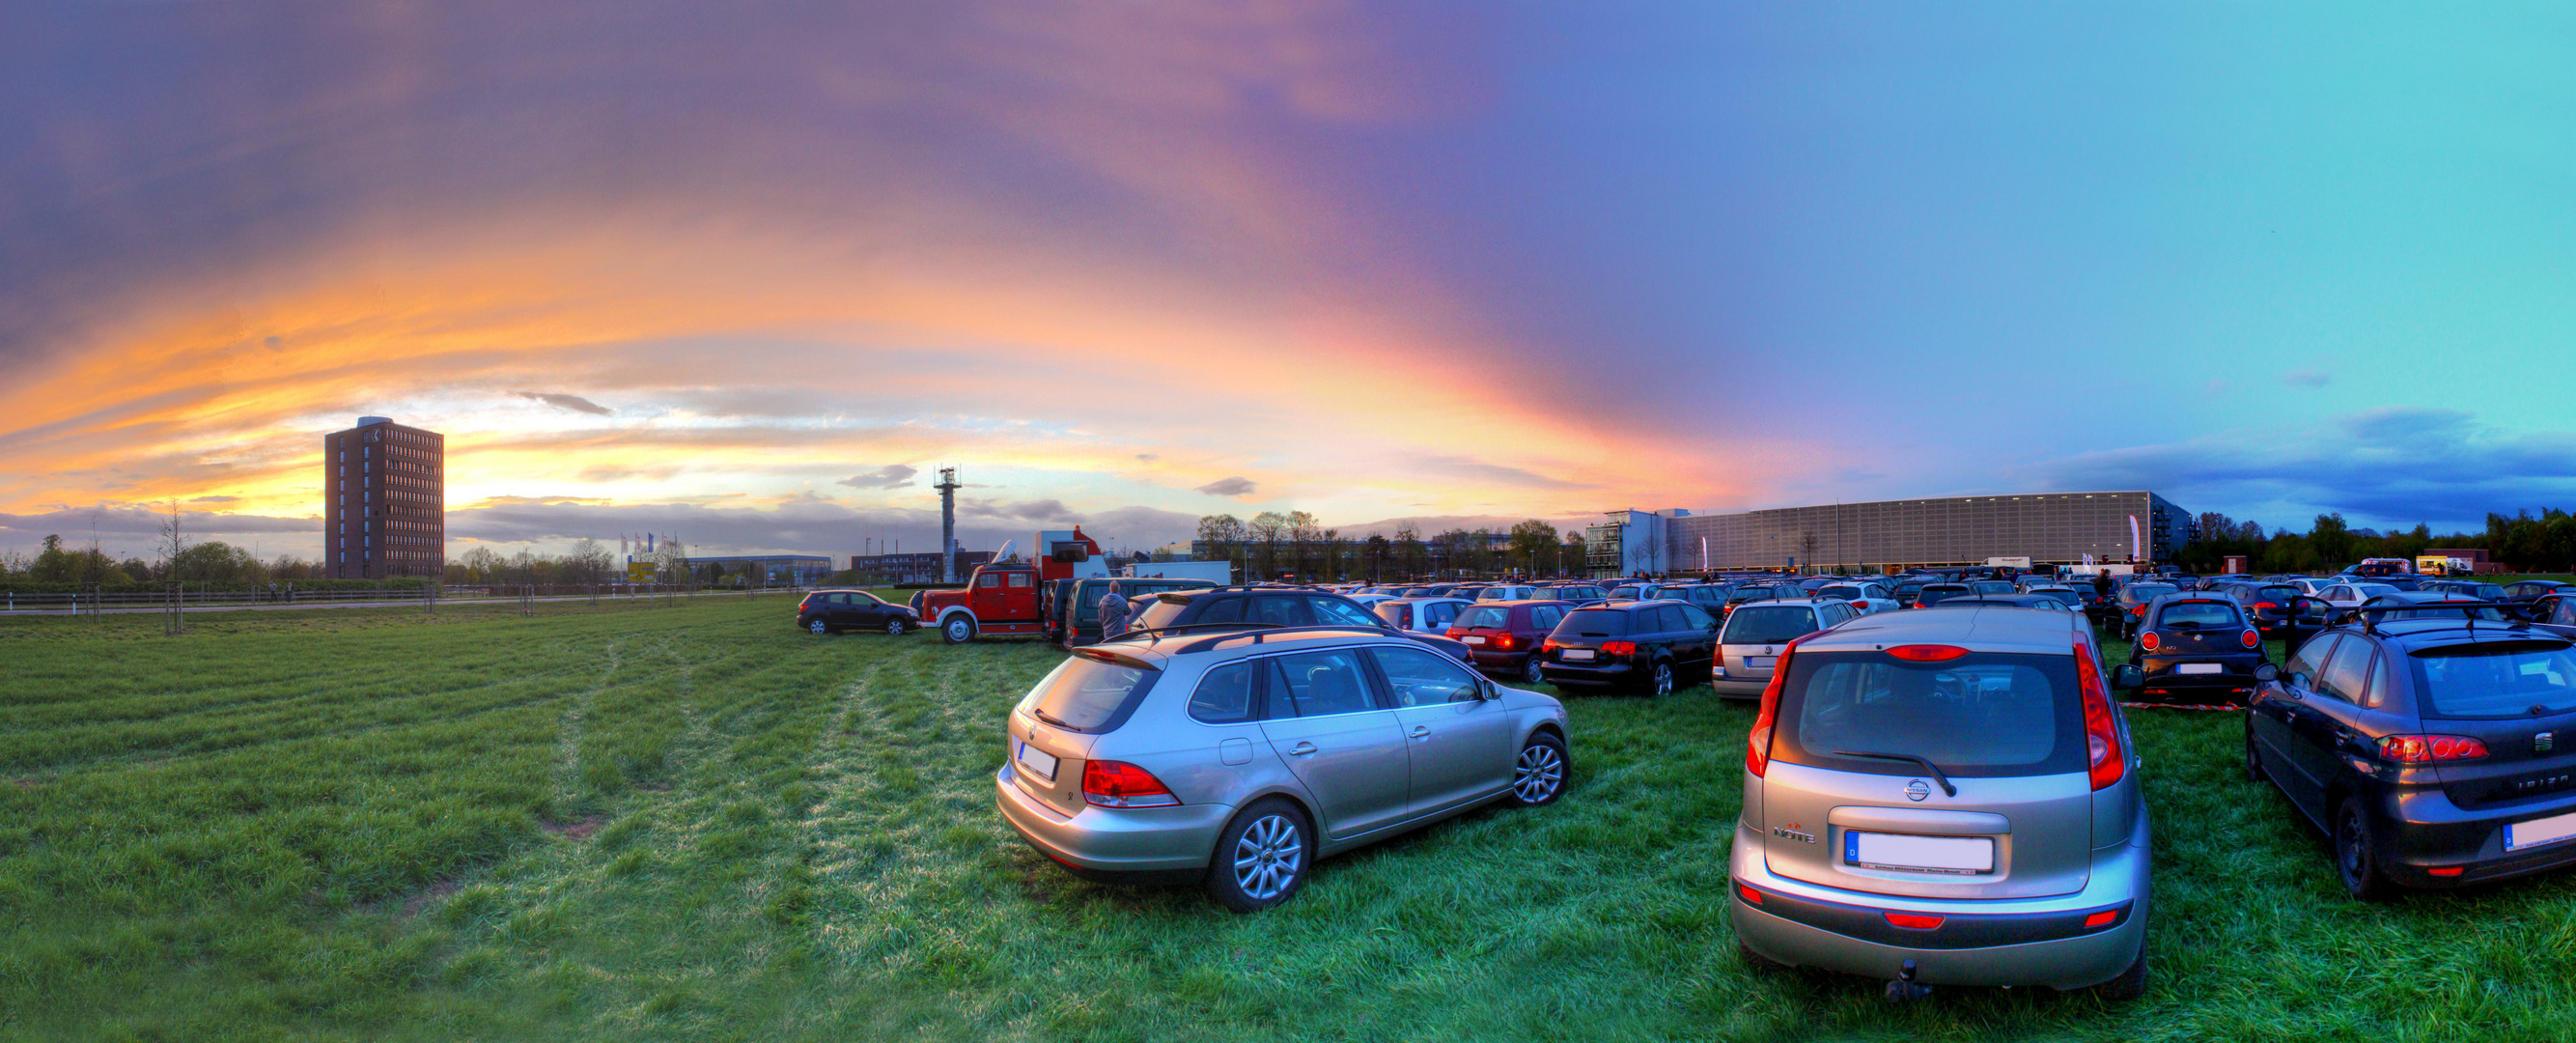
1917 790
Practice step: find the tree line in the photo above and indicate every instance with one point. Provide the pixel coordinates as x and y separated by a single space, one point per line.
1273 544
2522 543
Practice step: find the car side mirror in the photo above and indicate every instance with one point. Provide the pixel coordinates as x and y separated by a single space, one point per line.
1486 689
2127 677
2267 673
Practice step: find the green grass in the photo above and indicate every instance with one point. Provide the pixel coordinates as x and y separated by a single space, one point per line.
699 823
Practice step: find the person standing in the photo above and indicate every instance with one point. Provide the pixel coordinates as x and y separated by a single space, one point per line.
1113 613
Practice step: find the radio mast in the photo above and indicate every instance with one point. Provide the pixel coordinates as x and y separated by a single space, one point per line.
947 524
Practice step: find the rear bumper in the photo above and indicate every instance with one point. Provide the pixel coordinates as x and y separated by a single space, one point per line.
1604 675
1752 686
2017 941
2423 830
1497 660
1113 840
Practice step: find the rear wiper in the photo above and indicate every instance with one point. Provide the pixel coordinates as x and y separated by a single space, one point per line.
1047 717
1935 769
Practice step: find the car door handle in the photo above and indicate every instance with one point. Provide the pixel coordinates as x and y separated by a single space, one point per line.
1303 749
1421 731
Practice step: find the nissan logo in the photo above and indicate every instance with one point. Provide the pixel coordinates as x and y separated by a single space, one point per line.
1917 790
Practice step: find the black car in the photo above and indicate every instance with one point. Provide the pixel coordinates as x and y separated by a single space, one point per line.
2477 590
1710 597
2531 590
2197 648
2129 606
1218 607
1077 619
1931 594
1648 646
1578 593
2270 605
833 611
2434 752
1752 592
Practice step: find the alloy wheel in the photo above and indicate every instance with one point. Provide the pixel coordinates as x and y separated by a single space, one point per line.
2352 845
894 627
1663 679
1530 672
1268 857
819 629
1538 774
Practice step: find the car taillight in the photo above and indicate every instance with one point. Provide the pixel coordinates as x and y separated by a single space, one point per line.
1618 648
1757 745
1927 653
1750 895
1915 921
1454 633
2250 639
2266 604
1549 645
1118 784
2101 919
2425 749
2149 640
2101 730
1503 640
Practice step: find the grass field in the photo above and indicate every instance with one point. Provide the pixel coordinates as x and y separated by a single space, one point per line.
699 823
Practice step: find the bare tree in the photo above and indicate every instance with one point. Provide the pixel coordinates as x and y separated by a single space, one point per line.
174 539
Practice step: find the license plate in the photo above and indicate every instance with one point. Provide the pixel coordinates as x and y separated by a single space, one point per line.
1471 639
1759 662
1039 762
2199 668
2520 835
1578 655
1919 854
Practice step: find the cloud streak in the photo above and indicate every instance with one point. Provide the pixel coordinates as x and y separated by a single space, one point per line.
571 403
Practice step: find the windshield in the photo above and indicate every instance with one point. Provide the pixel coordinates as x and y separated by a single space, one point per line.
2278 595
1625 592
2067 597
1087 695
1981 714
1769 625
1484 617
2145 592
1840 593
2520 679
2197 614
1158 613
1593 622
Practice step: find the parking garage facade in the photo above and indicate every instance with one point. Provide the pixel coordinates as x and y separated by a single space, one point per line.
2060 528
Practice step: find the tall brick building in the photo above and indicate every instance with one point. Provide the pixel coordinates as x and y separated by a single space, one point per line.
384 501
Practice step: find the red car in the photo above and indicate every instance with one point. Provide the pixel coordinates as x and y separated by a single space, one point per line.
1503 637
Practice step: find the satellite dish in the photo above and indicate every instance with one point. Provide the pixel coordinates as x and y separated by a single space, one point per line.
1005 554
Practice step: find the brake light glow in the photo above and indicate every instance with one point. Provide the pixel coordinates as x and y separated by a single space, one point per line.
2101 730
2448 871
1618 648
1502 640
2425 749
1757 744
2266 604
1750 895
2149 640
1927 653
2250 639
1915 921
2101 919
1118 784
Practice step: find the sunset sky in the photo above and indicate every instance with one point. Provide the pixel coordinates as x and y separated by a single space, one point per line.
750 273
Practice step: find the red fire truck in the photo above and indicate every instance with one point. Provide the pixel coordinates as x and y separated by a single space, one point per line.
1001 598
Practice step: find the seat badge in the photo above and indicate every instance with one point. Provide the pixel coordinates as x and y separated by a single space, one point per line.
2541 741
1917 790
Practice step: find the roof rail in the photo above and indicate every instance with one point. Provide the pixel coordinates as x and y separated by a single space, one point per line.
1268 630
1158 632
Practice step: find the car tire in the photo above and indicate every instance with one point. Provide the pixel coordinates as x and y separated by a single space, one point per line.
2253 754
957 630
1263 857
2356 851
819 627
1540 773
1660 683
1531 673
894 628
2131 984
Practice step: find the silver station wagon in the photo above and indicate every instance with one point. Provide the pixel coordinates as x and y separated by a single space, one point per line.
1238 756
1946 797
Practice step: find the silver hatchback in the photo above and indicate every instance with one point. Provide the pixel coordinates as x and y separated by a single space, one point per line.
1946 797
1238 757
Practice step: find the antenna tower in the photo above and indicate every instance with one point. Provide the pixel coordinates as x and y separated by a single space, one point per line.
947 524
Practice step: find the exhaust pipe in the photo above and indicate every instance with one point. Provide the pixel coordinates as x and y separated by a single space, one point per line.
1904 989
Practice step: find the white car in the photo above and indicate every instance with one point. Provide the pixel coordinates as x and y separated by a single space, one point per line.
1507 592
1867 597
2350 594
1421 615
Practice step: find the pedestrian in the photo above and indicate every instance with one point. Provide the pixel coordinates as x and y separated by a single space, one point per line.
1113 614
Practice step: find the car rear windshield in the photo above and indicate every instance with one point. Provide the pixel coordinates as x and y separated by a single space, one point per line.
1091 696
1769 624
2070 598
2198 615
2278 595
1593 622
1983 714
2515 679
2148 591
1990 586
1159 612
1484 617
1839 593
1625 592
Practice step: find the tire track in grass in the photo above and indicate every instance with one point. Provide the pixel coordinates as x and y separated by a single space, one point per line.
569 801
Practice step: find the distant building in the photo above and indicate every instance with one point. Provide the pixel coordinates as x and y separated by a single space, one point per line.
914 568
2055 528
384 501
774 570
